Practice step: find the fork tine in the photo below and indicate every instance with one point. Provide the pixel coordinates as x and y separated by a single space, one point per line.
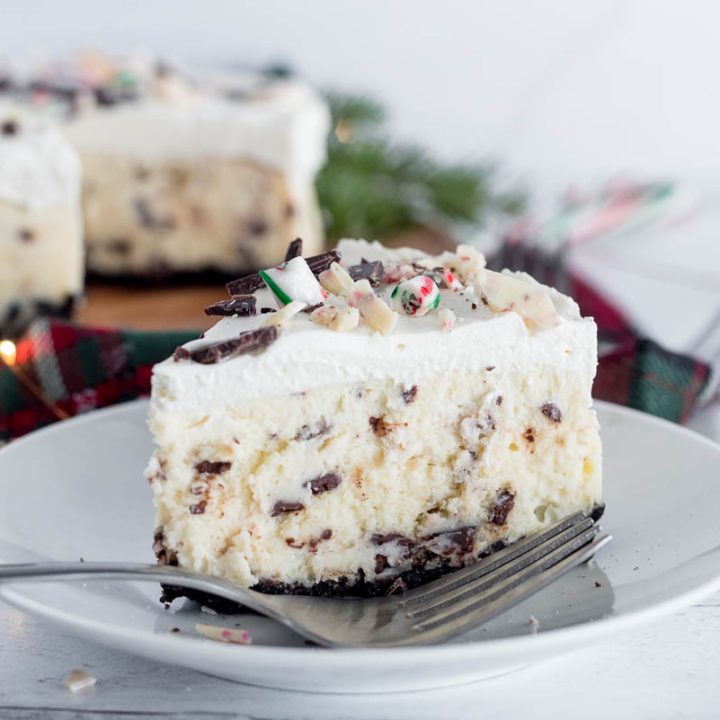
477 585
491 562
456 620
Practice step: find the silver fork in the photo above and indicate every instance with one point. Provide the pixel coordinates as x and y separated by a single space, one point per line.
437 611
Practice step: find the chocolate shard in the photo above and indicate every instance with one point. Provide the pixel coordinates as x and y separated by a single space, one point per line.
246 285
381 562
383 538
501 506
285 506
551 412
250 283
323 483
209 467
373 272
409 394
242 305
181 354
246 342
451 541
320 263
312 308
294 249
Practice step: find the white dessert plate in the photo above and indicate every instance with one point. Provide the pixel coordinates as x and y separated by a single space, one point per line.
77 490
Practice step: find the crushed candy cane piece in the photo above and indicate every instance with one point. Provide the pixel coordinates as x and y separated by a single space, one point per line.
416 296
469 261
77 680
284 314
221 634
447 319
294 280
502 293
373 310
337 319
336 280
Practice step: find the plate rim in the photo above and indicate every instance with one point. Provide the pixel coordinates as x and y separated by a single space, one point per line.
545 641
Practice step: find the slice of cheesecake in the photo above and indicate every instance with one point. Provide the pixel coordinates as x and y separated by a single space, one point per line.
359 426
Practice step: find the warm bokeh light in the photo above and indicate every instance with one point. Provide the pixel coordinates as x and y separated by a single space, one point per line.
8 352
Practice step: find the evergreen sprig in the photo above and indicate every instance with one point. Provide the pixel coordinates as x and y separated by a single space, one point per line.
373 187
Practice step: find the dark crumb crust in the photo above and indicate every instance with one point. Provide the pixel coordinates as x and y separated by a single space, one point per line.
18 316
425 570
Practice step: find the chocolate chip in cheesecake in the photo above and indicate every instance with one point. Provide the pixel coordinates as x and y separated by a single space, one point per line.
286 506
381 563
529 435
323 483
26 235
119 246
210 467
9 127
499 400
380 426
240 305
501 506
320 263
148 218
310 432
257 227
246 342
373 272
384 538
314 542
551 412
294 249
409 394
198 508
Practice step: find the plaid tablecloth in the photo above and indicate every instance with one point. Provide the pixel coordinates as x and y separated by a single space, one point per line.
77 369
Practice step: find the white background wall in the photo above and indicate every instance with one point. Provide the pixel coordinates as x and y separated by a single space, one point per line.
557 90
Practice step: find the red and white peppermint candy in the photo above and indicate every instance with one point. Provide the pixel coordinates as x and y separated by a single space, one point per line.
416 296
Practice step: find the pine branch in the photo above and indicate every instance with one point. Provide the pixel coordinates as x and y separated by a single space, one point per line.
374 188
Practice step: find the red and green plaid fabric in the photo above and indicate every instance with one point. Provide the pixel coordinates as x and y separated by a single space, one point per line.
79 369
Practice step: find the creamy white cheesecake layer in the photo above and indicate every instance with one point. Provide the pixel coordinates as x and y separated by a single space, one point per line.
41 231
413 441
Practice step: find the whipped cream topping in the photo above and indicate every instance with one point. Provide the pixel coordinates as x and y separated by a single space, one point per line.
308 355
284 126
38 167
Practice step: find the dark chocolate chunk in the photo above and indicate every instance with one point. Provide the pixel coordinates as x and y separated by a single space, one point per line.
286 506
410 394
373 272
181 353
175 630
26 235
326 534
119 246
323 483
379 426
320 263
383 538
499 400
210 467
501 507
9 127
294 249
381 562
309 432
266 310
242 305
397 586
245 342
490 368
293 543
149 218
257 227
529 435
108 96
246 285
451 541
551 412
198 509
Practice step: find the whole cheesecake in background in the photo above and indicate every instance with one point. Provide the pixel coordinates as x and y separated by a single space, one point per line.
367 419
41 230
186 172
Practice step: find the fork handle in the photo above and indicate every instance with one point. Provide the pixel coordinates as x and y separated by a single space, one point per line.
168 574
